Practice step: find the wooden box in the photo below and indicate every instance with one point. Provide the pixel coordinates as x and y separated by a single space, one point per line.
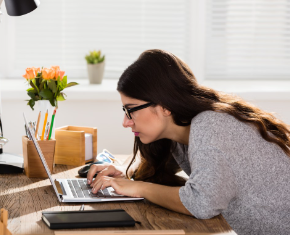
70 145
33 167
3 222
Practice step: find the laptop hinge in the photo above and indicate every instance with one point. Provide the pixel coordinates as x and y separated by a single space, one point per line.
59 187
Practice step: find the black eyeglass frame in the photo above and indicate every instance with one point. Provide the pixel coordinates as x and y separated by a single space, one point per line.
131 110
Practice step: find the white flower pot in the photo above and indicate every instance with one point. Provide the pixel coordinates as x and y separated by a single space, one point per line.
96 72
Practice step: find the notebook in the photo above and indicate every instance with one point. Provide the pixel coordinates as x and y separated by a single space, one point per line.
76 190
87 219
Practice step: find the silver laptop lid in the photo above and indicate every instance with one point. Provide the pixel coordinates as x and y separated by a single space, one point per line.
38 149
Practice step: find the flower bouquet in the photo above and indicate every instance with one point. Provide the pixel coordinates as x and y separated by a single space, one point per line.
46 84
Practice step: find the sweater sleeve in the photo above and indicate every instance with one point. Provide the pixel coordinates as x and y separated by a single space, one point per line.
211 185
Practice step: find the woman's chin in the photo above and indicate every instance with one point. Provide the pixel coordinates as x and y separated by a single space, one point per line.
145 140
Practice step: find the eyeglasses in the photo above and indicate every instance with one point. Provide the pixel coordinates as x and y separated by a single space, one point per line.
129 111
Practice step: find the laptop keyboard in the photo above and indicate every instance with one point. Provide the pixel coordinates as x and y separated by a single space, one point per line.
80 189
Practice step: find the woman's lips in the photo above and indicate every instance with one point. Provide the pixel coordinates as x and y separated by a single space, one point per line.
136 133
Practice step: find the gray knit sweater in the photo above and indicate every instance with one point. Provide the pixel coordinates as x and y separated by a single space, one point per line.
233 171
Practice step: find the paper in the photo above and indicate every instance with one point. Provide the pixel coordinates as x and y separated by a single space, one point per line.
88 146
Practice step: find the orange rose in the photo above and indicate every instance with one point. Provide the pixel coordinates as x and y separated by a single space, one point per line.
31 73
58 72
55 68
37 70
48 73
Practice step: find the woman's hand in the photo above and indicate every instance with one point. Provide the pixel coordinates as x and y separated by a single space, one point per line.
122 186
105 170
162 195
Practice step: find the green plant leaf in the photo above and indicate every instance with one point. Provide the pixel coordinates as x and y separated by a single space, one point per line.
71 84
102 59
64 81
60 97
31 94
30 89
33 85
46 94
31 103
52 85
37 81
41 86
58 84
94 57
52 101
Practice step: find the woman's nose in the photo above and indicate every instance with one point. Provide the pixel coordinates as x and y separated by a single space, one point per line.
127 122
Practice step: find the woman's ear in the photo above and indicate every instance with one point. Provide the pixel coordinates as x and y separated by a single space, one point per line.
165 112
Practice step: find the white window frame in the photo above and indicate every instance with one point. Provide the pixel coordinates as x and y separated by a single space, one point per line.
197 38
7 45
196 52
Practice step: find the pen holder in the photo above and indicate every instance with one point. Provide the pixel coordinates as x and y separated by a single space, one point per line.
72 147
33 167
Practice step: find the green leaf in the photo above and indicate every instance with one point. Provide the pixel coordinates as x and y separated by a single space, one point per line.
102 59
94 57
64 82
52 101
30 89
31 94
52 85
60 97
33 85
71 84
37 81
31 103
46 94
41 86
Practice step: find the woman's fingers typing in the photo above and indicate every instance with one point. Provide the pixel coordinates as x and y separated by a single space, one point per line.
102 183
108 171
104 170
121 186
93 170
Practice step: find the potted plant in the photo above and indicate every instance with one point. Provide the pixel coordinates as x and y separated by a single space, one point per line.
96 66
46 84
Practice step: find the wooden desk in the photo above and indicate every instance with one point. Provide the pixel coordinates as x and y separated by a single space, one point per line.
25 199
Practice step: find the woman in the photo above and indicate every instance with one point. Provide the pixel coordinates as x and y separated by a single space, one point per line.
236 155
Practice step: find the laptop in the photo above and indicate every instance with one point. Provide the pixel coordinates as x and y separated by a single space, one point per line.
76 190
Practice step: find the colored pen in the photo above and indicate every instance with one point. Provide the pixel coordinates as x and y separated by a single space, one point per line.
37 125
31 127
34 129
28 134
46 131
44 125
51 124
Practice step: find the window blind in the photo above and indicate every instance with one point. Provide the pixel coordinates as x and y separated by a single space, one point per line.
62 32
247 39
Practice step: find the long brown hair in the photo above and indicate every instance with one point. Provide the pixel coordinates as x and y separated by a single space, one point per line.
160 77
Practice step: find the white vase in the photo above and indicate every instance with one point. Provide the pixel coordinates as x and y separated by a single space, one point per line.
43 106
96 72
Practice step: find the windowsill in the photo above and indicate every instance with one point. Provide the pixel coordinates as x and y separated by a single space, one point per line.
253 90
15 89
